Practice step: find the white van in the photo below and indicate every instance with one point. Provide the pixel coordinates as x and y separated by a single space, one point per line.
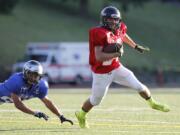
62 62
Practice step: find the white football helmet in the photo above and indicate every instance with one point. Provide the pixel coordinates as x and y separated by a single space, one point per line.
32 71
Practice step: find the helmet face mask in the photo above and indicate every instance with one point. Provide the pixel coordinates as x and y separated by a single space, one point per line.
32 71
32 77
112 23
110 18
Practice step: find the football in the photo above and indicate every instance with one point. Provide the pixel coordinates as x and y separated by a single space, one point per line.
110 48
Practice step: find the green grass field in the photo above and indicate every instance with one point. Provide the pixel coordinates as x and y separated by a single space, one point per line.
123 112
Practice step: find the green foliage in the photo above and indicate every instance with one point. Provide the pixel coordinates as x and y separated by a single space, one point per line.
6 6
126 3
78 7
155 25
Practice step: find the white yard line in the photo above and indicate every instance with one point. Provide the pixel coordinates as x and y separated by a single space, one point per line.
8 110
99 131
106 119
126 131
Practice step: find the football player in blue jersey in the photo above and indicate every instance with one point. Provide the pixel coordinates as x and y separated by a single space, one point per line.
26 85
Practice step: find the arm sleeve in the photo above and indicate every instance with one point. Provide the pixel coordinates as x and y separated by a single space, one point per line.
43 89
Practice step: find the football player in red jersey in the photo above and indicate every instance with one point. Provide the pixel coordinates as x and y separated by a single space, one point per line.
105 65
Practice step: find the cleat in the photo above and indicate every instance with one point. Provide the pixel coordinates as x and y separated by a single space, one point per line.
158 106
82 120
161 107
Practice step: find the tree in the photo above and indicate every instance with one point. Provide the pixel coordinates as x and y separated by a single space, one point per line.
6 6
83 7
125 3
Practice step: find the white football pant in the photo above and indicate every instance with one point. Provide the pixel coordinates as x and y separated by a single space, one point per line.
121 75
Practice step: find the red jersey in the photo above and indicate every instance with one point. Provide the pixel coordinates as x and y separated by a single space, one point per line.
100 36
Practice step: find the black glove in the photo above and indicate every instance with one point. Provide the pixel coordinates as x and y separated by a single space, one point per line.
63 119
41 115
141 49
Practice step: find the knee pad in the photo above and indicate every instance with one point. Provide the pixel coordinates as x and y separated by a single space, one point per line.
95 100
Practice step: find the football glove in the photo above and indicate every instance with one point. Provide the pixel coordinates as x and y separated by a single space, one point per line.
141 49
63 119
41 115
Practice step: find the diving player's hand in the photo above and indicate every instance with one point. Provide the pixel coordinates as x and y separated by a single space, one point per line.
141 49
41 115
63 119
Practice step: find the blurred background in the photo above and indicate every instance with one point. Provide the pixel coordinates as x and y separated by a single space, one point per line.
153 23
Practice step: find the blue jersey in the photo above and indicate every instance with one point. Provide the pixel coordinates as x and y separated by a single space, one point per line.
17 84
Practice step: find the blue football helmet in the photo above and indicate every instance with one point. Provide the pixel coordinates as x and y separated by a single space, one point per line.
110 18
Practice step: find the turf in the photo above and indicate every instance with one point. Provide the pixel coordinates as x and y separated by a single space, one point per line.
122 112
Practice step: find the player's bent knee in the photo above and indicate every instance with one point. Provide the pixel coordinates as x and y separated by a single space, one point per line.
143 88
95 100
139 87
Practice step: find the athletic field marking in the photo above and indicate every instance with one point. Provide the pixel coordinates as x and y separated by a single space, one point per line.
105 119
135 125
107 110
112 109
126 131
169 125
91 131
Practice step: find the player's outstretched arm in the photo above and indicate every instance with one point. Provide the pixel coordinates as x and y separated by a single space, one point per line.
22 107
129 41
137 47
49 104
